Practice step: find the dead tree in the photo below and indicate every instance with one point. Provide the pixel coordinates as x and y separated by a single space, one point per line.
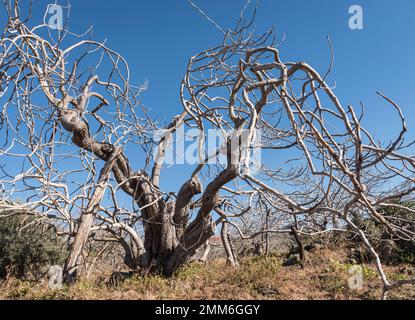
56 106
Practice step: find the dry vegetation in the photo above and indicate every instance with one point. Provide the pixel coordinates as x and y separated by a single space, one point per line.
263 277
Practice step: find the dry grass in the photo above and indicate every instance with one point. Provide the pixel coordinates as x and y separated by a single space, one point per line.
325 277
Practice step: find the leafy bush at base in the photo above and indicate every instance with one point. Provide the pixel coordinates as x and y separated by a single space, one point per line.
28 248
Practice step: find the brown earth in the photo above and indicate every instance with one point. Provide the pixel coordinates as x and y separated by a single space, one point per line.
325 277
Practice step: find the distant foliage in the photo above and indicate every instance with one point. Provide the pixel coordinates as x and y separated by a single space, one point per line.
28 248
404 252
392 250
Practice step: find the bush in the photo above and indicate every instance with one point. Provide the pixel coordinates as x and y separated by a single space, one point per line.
393 251
27 248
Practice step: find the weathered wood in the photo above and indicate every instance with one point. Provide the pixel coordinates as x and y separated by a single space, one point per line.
300 244
230 255
206 251
86 220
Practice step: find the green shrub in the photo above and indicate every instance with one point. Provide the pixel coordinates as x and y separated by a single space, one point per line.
27 248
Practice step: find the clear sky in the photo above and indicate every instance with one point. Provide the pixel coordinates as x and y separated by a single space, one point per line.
157 38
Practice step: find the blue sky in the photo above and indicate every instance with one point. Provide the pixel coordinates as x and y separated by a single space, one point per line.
157 38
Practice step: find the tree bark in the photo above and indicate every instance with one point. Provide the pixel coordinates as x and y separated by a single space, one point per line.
300 244
230 255
206 251
86 221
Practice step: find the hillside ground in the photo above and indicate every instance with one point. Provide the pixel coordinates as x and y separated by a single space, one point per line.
263 277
